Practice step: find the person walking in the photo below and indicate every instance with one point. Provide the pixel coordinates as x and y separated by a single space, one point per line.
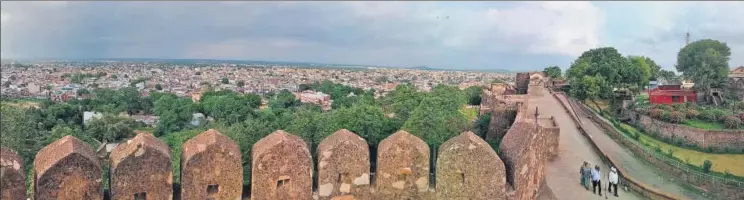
586 174
612 177
595 180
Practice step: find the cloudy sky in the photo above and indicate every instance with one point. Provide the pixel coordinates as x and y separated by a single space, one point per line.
456 35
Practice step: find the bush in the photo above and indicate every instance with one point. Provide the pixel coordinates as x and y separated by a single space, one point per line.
719 114
656 113
676 117
707 116
740 116
706 166
665 116
679 106
732 122
663 107
690 105
691 113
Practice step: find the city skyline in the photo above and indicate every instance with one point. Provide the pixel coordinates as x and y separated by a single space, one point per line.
448 35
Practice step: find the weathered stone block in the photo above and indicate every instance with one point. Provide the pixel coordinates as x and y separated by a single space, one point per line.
282 168
12 176
343 165
141 168
67 169
469 169
552 133
403 167
211 168
521 153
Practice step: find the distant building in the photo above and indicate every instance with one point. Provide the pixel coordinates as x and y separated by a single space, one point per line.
88 115
317 98
671 94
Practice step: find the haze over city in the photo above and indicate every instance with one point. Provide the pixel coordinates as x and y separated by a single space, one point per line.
448 35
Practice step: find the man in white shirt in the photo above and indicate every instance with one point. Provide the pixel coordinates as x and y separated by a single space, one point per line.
595 180
612 176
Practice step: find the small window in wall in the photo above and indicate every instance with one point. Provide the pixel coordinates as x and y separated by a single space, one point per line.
675 99
343 178
140 196
282 182
213 189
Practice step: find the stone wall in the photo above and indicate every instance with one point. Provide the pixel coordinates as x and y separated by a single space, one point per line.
552 133
12 176
717 139
211 168
130 161
282 167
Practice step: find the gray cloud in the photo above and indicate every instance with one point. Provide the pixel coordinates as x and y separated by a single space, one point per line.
525 35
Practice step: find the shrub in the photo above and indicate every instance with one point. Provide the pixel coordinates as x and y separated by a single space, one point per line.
665 116
676 117
635 136
732 122
679 106
656 113
663 107
641 110
691 113
740 116
707 116
706 166
690 105
719 114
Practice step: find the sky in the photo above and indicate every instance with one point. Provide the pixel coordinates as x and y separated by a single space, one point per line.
452 35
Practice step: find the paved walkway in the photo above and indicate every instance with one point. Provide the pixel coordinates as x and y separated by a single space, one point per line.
639 170
563 172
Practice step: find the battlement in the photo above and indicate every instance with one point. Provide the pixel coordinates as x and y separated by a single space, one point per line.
282 166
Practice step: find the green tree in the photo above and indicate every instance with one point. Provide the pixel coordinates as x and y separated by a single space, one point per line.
230 107
590 88
553 71
158 87
21 132
82 91
435 120
284 99
667 75
367 121
241 83
111 128
174 113
225 80
705 62
639 72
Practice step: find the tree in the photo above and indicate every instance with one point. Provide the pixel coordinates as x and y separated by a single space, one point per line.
284 99
241 83
174 113
474 95
553 71
435 120
225 80
158 86
639 72
590 88
705 62
82 91
198 73
667 75
366 120
21 132
111 128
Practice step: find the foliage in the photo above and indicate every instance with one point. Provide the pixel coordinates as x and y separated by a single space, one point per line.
656 113
553 71
481 125
678 107
718 114
676 117
230 106
640 71
224 80
732 122
158 86
436 119
705 62
590 88
691 113
241 83
706 166
174 113
284 99
667 75
110 128
474 95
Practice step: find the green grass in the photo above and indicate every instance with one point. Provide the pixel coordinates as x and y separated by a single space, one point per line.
721 162
704 124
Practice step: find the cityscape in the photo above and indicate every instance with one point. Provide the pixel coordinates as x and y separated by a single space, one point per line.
356 100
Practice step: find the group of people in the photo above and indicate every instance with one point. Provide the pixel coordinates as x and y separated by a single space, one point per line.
594 175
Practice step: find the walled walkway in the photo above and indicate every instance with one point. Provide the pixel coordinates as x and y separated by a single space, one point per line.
636 168
563 172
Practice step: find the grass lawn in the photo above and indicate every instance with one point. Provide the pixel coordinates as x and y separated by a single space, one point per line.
601 102
470 113
704 125
721 162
